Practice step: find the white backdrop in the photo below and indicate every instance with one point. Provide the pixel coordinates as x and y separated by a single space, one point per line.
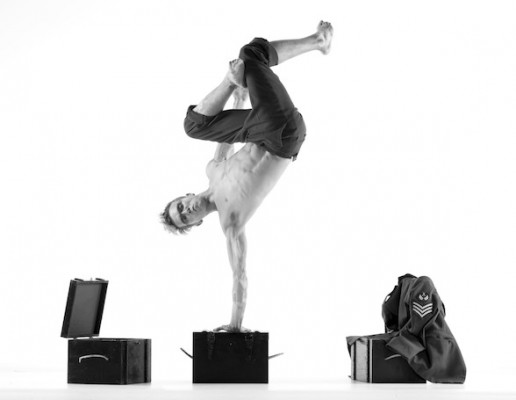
408 167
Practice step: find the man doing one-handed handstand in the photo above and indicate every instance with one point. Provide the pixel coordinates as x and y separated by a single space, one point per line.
273 131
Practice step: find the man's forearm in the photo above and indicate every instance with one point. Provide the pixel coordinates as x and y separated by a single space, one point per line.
237 252
239 300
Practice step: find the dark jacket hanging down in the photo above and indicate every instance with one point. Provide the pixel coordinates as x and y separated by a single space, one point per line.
416 313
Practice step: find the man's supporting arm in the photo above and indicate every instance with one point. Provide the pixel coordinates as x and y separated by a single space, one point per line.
237 252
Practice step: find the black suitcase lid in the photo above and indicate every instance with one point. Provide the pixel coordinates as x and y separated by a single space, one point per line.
84 308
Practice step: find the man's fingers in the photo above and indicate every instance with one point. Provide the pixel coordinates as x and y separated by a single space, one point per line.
222 328
229 328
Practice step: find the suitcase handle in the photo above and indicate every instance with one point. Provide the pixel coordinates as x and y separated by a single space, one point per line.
92 356
184 351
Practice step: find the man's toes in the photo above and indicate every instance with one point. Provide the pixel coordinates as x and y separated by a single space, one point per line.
325 25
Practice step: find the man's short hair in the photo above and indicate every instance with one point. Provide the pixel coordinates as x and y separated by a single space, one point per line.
170 225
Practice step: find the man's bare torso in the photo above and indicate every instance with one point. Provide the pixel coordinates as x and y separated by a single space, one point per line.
241 182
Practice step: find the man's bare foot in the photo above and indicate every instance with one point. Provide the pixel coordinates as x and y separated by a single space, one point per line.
236 73
325 35
229 328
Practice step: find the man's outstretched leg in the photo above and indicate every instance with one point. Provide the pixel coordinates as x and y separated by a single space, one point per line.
320 40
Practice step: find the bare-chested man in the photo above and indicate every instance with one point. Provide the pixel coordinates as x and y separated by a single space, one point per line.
273 131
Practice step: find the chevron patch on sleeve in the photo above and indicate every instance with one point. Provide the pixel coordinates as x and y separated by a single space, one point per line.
420 310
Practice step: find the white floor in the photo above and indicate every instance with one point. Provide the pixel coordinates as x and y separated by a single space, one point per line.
52 385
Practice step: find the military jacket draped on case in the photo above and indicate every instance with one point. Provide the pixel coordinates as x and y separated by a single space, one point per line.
414 312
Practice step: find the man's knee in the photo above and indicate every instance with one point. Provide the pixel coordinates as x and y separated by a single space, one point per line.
192 130
194 123
259 50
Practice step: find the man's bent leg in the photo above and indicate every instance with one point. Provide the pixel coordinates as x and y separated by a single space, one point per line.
268 96
208 121
215 101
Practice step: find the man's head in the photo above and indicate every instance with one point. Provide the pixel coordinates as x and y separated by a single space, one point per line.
183 213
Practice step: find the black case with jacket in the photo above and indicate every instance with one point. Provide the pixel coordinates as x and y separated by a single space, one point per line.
415 314
417 336
100 360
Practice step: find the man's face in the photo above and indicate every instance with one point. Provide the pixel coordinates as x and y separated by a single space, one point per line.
187 210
